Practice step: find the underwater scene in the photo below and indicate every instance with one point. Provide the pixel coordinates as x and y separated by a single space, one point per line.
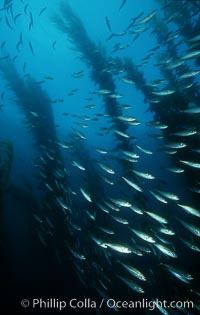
100 156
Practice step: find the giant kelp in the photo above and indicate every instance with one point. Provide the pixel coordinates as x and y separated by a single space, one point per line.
70 24
170 109
85 222
6 160
50 217
98 230
100 66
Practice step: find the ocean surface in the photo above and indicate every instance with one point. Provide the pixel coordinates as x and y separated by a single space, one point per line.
100 156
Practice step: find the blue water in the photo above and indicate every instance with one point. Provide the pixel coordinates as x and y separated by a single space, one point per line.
42 269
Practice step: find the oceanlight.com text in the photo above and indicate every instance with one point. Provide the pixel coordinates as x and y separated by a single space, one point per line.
87 303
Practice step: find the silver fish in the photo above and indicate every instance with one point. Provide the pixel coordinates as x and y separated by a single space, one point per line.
190 210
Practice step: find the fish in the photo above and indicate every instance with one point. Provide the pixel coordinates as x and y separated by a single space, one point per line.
176 170
144 150
196 150
116 35
122 4
126 118
76 254
31 48
165 250
126 80
91 216
133 20
178 273
160 126
186 86
103 91
190 210
107 231
37 218
80 135
190 227
160 308
194 39
166 231
122 134
193 110
147 18
31 21
132 184
102 151
191 55
190 245
134 272
112 205
62 203
48 78
21 39
127 158
34 114
121 202
119 248
25 8
103 208
170 151
135 37
175 64
136 209
191 164
195 189
108 24
143 175
132 285
106 168
139 30
168 195
161 239
7 22
131 154
158 197
77 164
157 217
78 74
16 17
54 44
189 74
107 180
86 195
119 219
3 44
115 96
42 11
164 92
173 36
143 236
175 145
185 133
18 46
